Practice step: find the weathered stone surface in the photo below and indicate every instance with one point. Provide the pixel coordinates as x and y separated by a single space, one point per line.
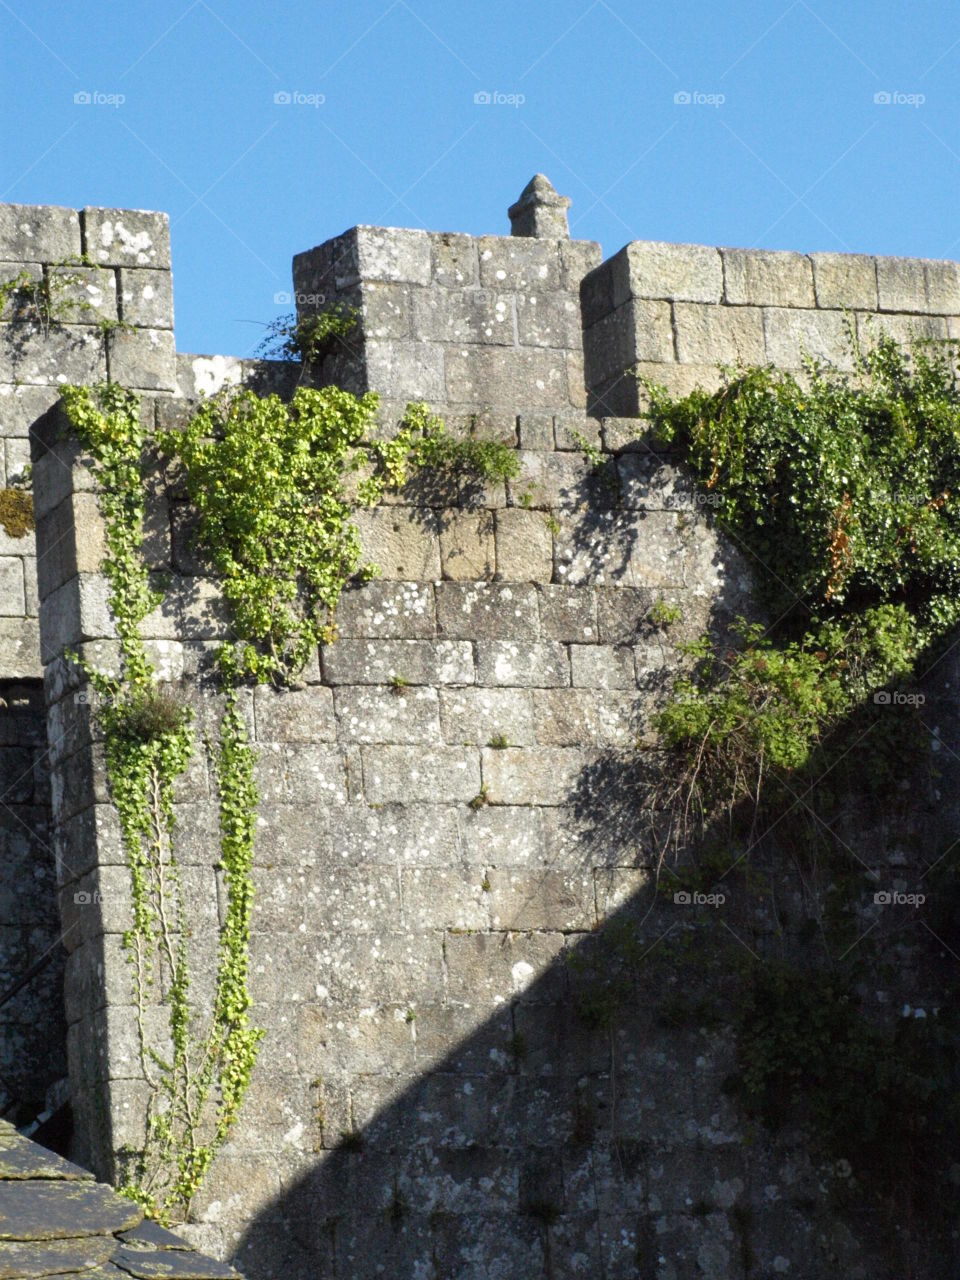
465 315
791 334
630 549
420 773
146 298
391 254
403 542
568 613
38 233
478 715
524 546
467 545
602 666
404 368
762 277
394 834
522 664
143 359
542 900
127 237
530 775
392 610
83 295
502 836
294 715
536 431
69 353
410 661
374 714
487 610
681 272
579 717
77 611
577 258
903 329
516 263
455 262
847 281
639 330
505 377
919 285
730 335
552 480
495 968
548 320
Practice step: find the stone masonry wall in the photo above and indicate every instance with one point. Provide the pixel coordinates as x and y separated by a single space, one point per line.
672 312
430 1101
130 283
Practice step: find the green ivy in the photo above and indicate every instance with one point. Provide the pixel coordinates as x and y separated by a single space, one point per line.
196 1089
271 483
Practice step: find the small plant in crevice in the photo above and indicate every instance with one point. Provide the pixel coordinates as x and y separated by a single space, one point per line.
662 615
480 799
499 742
398 683
309 338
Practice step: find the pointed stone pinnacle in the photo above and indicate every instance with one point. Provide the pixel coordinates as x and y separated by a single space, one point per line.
540 211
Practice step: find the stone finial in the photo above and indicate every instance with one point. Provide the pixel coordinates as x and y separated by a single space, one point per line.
540 211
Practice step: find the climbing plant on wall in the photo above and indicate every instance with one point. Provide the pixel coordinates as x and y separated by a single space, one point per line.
843 491
275 486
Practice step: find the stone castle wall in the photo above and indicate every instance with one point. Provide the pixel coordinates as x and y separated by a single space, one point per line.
429 1099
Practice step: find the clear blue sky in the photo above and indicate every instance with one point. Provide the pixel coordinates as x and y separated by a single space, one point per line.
797 155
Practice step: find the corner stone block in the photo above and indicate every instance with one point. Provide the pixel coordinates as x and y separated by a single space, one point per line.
467 547
38 233
677 272
714 334
403 542
767 278
20 407
790 334
392 254
920 285
845 280
12 600
127 237
514 262
146 298
75 612
144 359
419 773
487 611
524 546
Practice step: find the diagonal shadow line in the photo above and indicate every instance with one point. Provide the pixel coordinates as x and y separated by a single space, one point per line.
589 9
159 40
643 155
239 39
439 39
229 169
653 53
750 48
336 62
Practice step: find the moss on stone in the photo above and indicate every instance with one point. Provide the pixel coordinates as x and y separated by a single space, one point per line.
16 512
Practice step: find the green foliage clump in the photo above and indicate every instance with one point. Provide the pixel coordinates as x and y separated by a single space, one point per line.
308 339
269 481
